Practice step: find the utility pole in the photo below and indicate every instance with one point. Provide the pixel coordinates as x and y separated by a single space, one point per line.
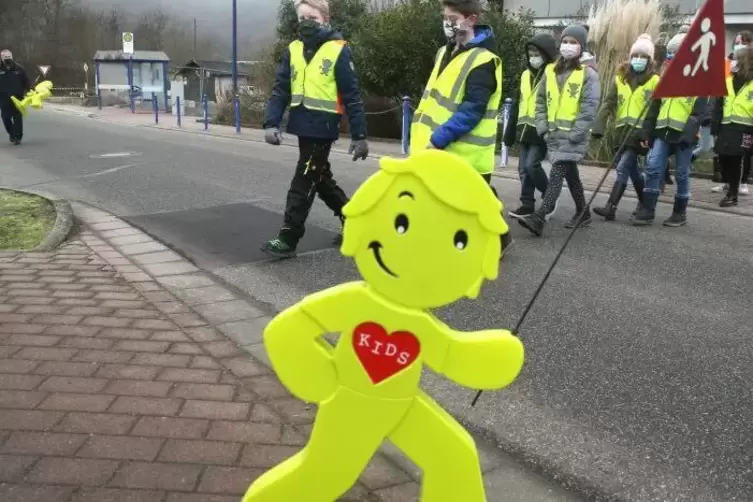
235 47
194 38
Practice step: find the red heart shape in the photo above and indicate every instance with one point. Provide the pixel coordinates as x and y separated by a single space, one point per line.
384 354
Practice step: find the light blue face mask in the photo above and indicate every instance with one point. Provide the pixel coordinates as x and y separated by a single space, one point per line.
739 47
639 64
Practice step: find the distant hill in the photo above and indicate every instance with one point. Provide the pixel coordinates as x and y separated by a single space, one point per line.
256 18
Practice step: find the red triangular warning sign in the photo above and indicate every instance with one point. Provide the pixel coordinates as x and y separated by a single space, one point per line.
698 68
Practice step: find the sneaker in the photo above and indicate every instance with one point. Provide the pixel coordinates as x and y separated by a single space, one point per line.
521 212
533 223
728 201
277 248
554 210
676 220
583 221
744 190
720 188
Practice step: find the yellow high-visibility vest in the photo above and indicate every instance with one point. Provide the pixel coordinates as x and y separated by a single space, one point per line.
562 106
443 94
313 84
674 113
738 108
527 106
630 103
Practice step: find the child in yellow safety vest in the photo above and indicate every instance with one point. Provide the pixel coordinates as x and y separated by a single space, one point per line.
566 106
318 81
541 51
732 123
627 99
674 124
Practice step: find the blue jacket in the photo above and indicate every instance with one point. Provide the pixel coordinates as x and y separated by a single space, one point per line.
317 124
480 85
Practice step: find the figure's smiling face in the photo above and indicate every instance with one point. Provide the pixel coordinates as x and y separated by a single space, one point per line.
416 250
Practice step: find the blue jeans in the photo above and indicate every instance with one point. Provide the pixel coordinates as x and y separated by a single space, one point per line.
532 175
656 165
706 142
627 168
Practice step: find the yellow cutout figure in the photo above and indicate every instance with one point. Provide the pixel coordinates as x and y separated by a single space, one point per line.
424 232
33 98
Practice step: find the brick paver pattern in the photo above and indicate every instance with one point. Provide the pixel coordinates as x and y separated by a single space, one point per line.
104 399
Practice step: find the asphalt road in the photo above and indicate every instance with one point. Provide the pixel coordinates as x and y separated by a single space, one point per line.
640 360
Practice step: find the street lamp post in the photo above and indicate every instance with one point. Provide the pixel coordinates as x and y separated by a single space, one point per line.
236 97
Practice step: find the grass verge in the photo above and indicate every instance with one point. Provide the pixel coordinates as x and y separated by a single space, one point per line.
25 220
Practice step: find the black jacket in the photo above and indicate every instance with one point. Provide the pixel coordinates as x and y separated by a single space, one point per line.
317 124
729 137
547 46
699 116
609 108
13 81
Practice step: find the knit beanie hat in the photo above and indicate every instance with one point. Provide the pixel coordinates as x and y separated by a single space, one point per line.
674 44
578 32
643 45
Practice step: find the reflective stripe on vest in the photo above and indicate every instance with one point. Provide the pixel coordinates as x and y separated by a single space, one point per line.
527 105
674 113
562 107
738 108
630 103
313 85
443 95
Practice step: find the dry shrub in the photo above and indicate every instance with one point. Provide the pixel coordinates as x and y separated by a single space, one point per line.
614 26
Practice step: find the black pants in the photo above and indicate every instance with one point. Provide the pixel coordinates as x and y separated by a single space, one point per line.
506 239
746 168
563 171
732 166
12 120
312 177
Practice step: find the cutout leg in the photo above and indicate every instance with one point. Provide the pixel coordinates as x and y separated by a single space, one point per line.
445 452
348 430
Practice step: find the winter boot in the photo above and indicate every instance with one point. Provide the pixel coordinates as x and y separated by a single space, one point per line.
533 223
579 220
678 217
639 186
609 211
647 211
506 243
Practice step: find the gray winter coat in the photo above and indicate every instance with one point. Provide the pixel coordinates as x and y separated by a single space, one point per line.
570 145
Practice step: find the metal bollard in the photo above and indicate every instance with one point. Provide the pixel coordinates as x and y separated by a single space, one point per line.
237 113
205 107
405 136
504 157
155 106
177 105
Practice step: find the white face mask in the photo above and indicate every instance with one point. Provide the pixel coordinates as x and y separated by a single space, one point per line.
738 47
536 62
453 28
570 51
733 66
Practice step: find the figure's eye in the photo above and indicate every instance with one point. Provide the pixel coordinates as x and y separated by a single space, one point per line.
401 224
460 240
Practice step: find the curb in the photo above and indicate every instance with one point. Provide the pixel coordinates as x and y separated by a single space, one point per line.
61 228
130 251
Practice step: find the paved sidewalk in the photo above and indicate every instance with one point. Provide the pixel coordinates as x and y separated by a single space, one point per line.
127 375
702 196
